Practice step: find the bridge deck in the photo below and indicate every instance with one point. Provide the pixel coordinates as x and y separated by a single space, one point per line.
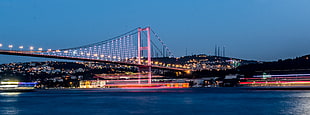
21 53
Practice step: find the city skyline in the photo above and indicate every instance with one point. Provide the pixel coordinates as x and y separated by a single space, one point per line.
255 30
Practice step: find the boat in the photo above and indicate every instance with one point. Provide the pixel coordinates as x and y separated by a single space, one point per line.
17 86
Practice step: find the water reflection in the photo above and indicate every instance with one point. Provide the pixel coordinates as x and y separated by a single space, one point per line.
10 94
9 111
300 105
188 100
8 102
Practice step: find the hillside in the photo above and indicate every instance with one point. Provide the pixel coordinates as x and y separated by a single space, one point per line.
288 66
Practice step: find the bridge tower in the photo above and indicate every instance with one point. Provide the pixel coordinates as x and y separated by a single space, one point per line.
142 47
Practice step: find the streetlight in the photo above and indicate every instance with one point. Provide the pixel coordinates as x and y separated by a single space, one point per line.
31 48
10 46
21 47
40 49
0 45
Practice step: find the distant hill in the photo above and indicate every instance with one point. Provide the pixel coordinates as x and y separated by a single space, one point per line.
288 66
206 62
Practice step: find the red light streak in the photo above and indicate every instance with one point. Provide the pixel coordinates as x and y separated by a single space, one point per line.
274 82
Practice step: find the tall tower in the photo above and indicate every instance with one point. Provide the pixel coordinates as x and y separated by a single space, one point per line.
141 47
218 51
215 52
223 51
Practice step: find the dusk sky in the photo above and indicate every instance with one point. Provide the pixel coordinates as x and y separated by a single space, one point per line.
264 30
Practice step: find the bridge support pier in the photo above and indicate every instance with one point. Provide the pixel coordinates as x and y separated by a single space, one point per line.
148 48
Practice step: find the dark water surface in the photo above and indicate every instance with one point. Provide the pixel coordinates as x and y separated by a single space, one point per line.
211 101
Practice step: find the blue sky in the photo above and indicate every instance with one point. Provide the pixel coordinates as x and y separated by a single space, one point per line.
249 29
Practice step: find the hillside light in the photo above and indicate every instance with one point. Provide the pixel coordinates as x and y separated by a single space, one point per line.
40 49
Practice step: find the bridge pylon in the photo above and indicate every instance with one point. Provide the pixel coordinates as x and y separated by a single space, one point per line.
142 47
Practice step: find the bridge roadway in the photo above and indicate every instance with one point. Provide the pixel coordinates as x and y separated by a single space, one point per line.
28 53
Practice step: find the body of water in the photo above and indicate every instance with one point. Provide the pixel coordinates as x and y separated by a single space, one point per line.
199 101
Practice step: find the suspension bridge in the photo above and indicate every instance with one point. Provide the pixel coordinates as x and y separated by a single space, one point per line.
135 48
